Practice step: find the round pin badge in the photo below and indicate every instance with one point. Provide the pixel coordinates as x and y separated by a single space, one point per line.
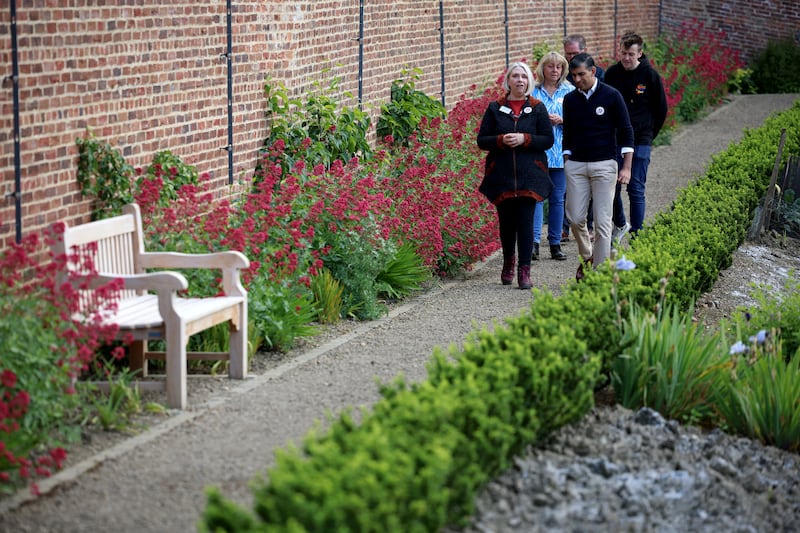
600 111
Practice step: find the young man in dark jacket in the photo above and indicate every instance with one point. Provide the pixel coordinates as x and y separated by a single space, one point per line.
643 91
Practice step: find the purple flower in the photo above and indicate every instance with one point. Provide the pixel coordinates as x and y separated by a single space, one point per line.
759 337
737 348
625 264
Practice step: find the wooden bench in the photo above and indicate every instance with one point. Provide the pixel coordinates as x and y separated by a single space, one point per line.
150 307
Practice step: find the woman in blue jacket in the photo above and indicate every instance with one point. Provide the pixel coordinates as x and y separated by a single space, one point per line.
516 131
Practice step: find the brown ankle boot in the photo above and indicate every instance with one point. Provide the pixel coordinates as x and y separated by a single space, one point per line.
579 275
507 275
524 277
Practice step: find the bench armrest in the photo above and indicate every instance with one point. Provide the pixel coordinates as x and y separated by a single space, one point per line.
229 259
230 262
153 281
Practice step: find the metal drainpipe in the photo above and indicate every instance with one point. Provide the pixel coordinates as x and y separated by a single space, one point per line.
17 194
660 6
564 16
441 44
505 24
616 29
229 60
360 40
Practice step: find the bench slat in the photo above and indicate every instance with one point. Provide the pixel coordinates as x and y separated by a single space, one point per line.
142 312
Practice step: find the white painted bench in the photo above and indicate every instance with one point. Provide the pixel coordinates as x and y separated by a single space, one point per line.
150 307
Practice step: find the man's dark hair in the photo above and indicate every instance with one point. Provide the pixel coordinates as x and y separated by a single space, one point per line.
630 38
581 60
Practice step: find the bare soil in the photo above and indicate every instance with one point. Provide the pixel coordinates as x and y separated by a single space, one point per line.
154 478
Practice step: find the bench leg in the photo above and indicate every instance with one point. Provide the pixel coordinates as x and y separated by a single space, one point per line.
175 338
237 350
136 359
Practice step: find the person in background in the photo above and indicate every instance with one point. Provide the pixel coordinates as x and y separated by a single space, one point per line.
643 91
576 44
550 88
596 129
573 45
516 131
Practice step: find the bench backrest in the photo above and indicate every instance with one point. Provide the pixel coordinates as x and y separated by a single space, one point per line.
118 244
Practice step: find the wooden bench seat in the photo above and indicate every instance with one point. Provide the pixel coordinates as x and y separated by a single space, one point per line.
150 307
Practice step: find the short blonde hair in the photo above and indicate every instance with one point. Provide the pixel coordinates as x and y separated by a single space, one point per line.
524 66
552 57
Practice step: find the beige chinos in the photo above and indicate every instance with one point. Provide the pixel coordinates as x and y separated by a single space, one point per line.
598 180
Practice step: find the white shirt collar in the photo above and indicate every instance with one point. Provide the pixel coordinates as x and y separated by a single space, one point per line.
591 91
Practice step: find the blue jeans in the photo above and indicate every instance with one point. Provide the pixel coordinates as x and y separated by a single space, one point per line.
555 213
641 162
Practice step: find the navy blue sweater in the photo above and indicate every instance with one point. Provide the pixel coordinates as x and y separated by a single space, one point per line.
596 128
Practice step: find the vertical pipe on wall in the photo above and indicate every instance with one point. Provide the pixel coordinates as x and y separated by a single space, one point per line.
229 55
361 55
660 6
616 28
505 25
564 16
441 45
17 194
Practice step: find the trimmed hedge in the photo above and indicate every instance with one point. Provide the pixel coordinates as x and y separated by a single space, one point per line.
417 459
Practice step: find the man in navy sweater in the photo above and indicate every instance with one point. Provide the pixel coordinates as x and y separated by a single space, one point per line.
597 128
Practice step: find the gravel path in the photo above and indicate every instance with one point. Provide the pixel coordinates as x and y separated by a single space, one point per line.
155 481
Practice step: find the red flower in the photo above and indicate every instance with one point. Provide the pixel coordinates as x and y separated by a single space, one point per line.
8 379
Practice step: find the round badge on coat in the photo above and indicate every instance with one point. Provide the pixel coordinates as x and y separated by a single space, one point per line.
527 110
600 111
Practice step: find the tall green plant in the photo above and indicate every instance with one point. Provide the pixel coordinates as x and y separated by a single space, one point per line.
407 107
172 172
404 273
327 293
280 313
316 130
103 175
763 394
667 363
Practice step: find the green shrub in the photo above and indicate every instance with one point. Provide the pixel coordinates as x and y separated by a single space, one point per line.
356 260
774 69
400 118
104 175
316 131
174 174
279 313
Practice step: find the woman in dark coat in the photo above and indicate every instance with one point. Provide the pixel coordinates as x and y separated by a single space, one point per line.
516 131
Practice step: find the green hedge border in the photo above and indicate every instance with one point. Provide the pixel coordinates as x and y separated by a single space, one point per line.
416 460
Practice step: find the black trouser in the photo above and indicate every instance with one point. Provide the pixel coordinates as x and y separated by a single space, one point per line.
516 227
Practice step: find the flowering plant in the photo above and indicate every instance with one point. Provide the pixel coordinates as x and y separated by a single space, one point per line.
42 351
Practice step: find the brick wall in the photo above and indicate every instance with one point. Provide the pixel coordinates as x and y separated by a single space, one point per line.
748 25
146 75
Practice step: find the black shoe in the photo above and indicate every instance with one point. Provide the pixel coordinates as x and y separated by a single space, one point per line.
556 253
535 256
